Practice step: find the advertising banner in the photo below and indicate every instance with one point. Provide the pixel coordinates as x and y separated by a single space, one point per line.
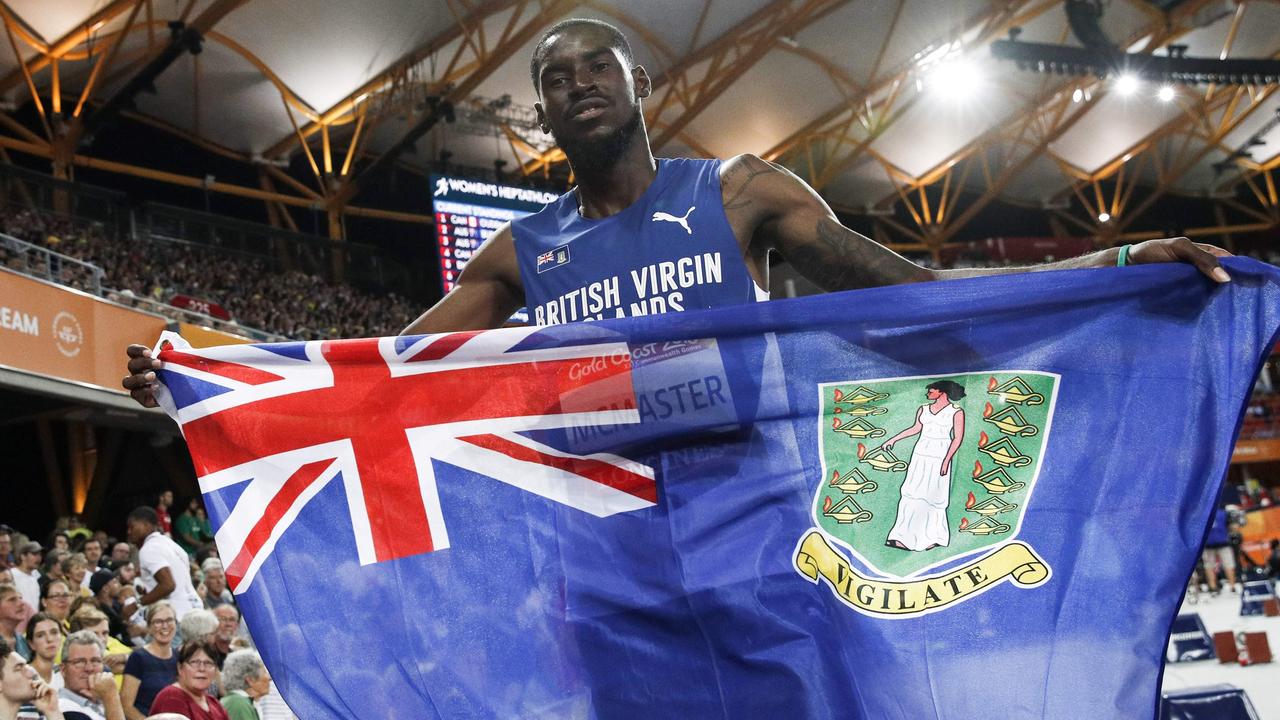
67 334
202 337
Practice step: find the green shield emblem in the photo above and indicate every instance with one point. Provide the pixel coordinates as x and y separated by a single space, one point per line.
918 471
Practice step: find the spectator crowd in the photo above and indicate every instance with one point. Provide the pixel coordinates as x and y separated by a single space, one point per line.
94 627
152 271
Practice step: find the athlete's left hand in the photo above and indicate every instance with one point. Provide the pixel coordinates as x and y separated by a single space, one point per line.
1180 249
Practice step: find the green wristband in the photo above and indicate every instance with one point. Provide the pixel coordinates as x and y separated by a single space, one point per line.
1123 258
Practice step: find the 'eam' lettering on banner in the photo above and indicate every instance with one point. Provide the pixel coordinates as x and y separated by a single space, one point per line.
11 319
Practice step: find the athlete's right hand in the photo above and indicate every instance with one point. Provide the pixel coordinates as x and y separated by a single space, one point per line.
141 381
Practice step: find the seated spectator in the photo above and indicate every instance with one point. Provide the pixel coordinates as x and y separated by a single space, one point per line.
121 552
55 600
198 625
153 666
190 696
163 504
76 532
92 550
228 623
52 566
191 529
245 679
60 541
7 559
215 584
206 552
273 707
75 570
13 613
106 595
127 572
88 693
44 637
19 685
26 578
116 653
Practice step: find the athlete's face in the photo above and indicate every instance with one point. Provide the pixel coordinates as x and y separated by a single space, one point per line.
589 93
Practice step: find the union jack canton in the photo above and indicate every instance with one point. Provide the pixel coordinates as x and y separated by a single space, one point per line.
390 407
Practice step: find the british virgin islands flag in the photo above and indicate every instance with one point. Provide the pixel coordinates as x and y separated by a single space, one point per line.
976 498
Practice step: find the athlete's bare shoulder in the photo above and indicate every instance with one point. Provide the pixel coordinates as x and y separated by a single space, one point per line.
738 174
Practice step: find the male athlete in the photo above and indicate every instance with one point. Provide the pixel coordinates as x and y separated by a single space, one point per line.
639 236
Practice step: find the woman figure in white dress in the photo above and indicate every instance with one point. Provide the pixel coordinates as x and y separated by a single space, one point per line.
922 511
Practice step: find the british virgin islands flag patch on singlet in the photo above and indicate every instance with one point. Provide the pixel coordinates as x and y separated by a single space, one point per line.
553 258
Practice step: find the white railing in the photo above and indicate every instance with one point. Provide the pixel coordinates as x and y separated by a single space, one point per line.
46 264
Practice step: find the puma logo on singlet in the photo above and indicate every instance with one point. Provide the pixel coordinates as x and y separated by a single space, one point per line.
681 221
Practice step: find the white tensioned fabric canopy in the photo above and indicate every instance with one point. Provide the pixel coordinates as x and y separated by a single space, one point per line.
868 100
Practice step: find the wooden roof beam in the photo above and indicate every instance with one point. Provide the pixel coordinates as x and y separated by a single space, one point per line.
1050 122
67 42
880 104
689 93
386 78
483 59
156 63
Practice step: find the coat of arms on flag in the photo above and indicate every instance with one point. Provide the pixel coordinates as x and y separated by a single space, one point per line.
640 519
925 484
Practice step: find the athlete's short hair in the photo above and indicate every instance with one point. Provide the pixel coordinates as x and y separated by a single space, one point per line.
617 41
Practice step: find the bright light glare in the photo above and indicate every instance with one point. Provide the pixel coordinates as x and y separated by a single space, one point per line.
1077 96
1126 85
1165 94
955 78
1103 217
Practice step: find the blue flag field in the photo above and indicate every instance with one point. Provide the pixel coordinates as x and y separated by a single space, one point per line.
962 499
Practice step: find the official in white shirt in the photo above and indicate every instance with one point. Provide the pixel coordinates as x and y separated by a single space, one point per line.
164 567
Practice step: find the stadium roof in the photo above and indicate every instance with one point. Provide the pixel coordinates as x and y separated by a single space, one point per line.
876 103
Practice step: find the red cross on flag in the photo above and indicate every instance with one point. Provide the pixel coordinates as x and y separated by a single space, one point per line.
379 413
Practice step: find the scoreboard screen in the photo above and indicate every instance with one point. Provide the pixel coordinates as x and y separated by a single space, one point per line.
468 211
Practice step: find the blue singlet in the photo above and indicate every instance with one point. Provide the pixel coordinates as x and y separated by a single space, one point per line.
671 250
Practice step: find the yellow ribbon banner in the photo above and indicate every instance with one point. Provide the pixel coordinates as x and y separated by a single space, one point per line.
1016 561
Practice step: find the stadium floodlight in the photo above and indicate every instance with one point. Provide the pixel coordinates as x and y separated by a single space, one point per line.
1166 93
1127 84
1104 217
955 77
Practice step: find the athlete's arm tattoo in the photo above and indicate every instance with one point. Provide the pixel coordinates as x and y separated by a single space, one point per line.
736 201
837 258
779 211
